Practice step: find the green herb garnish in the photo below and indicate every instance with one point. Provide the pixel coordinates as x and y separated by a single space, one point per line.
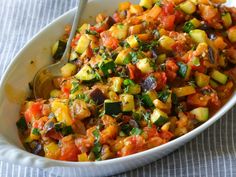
136 131
36 131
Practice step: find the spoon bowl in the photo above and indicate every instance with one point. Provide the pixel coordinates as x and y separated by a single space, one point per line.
43 80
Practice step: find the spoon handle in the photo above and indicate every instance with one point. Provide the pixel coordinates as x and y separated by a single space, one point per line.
80 7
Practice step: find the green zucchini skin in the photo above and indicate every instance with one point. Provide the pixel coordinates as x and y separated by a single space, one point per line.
58 49
112 108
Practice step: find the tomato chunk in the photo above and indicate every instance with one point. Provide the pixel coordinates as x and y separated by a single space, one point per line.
69 151
33 112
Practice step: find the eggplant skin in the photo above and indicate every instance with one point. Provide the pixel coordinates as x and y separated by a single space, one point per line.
149 83
97 96
35 147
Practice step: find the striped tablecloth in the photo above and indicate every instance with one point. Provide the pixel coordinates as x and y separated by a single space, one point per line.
211 154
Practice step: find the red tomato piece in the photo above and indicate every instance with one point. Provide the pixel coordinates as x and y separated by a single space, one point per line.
132 144
171 70
69 151
134 73
117 17
168 8
109 41
179 16
99 28
75 40
198 100
161 80
33 112
151 131
168 22
166 135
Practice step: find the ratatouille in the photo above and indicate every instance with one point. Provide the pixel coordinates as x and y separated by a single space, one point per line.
135 80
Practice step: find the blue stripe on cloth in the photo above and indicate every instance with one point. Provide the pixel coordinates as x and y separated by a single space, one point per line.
212 153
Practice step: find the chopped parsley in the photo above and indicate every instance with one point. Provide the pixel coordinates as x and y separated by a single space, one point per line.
97 148
91 32
36 131
136 131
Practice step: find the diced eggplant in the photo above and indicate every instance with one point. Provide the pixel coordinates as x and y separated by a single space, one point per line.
109 21
97 96
211 54
48 126
36 147
149 83
133 123
212 36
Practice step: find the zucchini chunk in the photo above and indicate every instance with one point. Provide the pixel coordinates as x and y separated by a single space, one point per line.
146 3
201 79
219 77
232 34
115 84
58 49
191 25
213 83
119 31
55 93
198 35
112 107
83 28
188 7
133 89
123 57
73 56
127 102
145 66
82 44
107 67
159 117
184 91
86 74
184 70
166 42
132 41
227 20
68 70
201 114
149 97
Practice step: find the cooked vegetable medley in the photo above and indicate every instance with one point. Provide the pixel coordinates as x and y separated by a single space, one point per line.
135 80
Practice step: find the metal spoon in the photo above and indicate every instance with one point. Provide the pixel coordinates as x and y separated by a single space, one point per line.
43 80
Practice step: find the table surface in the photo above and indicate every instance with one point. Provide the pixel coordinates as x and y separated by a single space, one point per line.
212 153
